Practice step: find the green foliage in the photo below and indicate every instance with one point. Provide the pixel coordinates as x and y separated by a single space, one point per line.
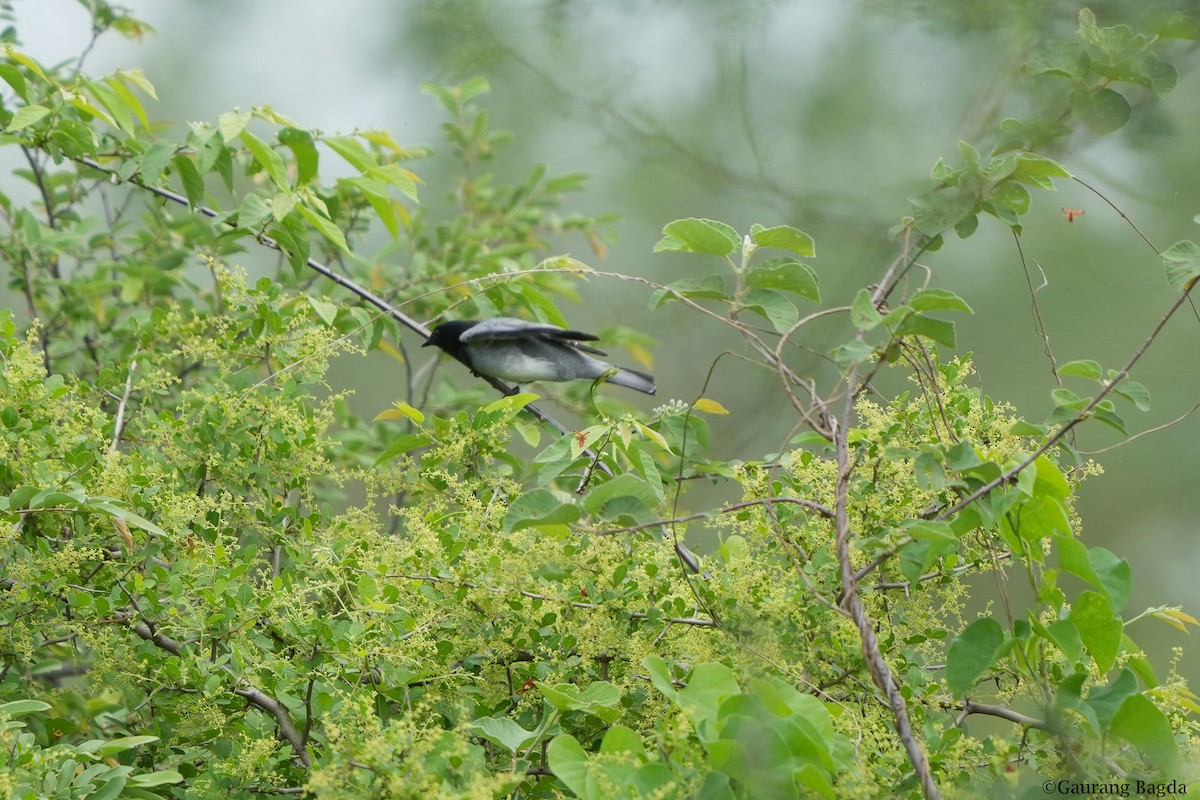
217 584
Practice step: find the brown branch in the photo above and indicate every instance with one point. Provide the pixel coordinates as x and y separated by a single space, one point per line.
256 697
1002 712
812 505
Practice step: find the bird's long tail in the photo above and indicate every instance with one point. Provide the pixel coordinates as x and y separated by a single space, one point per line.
632 379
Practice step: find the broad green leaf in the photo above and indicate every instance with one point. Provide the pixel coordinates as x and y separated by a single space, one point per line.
541 508
1064 634
1069 60
784 237
232 123
326 227
938 330
352 150
1085 368
1099 567
136 520
120 101
1135 393
940 211
698 236
1102 110
1182 263
786 274
931 531
26 116
1050 479
403 444
123 743
162 777
569 761
1010 200
712 287
189 176
155 159
253 212
17 708
504 732
627 485
599 699
267 158
14 78
1038 170
774 306
1142 724
620 739
1100 630
1106 700
934 299
300 142
863 314
972 653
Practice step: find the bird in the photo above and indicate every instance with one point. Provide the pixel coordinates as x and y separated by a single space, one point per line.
519 351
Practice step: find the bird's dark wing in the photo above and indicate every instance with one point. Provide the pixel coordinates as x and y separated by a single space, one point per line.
507 328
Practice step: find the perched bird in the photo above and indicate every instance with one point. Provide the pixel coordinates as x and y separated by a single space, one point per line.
518 351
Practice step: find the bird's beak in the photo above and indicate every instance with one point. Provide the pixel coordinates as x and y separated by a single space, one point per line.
428 342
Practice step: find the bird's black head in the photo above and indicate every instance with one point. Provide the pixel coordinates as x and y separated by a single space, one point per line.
446 336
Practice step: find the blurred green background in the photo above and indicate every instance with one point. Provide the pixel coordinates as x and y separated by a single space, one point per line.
822 114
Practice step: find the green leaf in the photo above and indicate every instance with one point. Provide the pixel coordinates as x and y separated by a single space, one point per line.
159 778
774 306
123 743
402 444
1142 724
303 148
189 176
711 287
1085 368
504 732
786 274
972 653
569 762
154 160
600 699
863 314
1104 701
1069 60
698 236
1100 630
1038 170
11 75
541 508
620 739
784 237
934 299
232 123
326 227
267 158
627 485
26 116
1182 263
938 330
17 708
1100 567
940 211
1102 110
1135 393
931 531
1064 634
